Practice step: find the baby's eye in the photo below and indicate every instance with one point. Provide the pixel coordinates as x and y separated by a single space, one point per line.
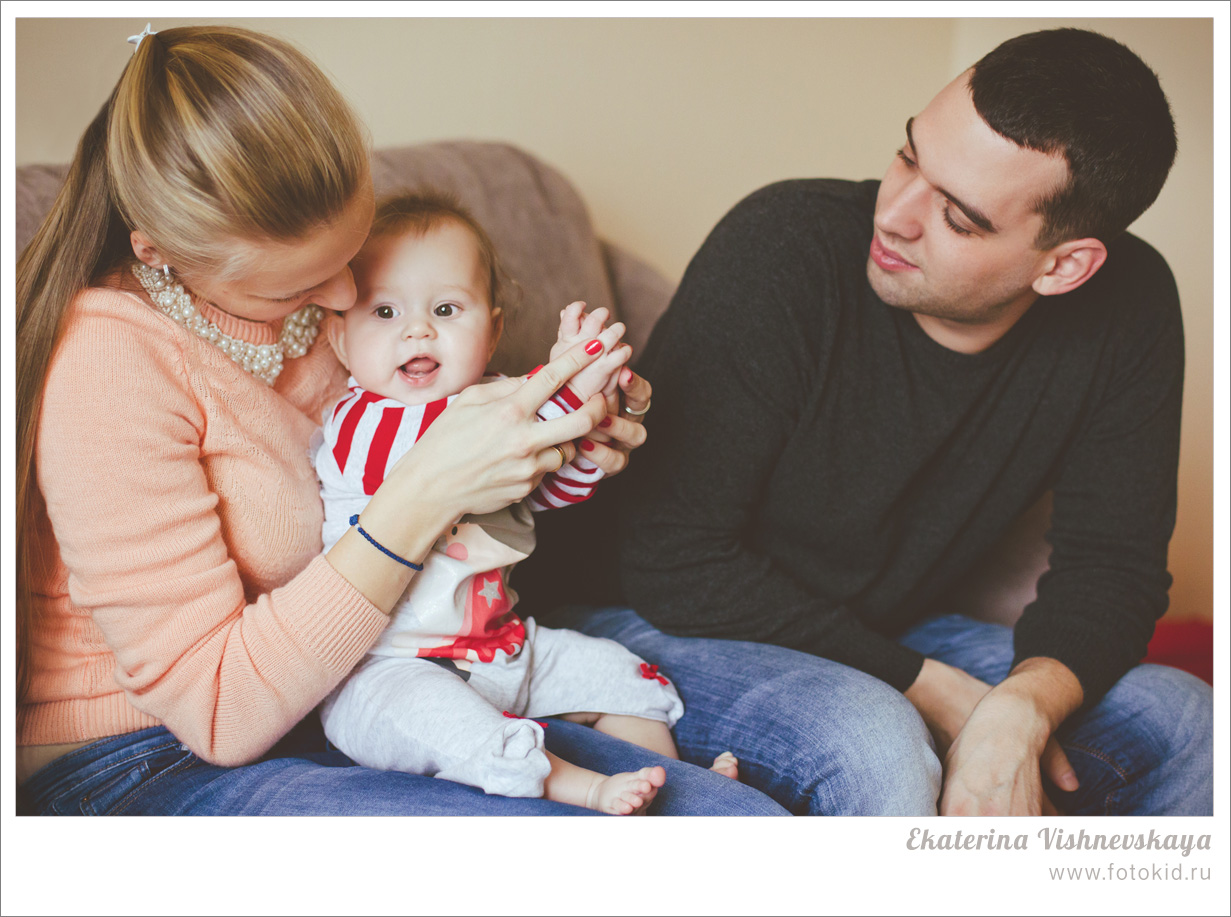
384 312
444 310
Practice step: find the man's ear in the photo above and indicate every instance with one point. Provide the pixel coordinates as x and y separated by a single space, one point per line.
1069 265
145 250
497 329
335 332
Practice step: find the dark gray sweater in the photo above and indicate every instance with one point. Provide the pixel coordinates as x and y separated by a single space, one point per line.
819 471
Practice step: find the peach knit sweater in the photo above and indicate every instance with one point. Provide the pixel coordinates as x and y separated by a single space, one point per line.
182 581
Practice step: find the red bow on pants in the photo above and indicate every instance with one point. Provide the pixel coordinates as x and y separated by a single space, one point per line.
651 672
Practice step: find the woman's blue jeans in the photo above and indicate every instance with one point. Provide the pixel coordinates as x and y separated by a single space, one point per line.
151 773
822 738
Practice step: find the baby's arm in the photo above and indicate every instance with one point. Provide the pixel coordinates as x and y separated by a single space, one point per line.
575 481
576 326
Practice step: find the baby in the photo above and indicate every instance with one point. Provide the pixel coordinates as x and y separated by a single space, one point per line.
450 688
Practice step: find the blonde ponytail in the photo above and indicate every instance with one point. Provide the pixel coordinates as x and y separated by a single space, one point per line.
211 135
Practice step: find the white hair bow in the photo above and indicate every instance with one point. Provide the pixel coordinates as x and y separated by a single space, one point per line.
136 39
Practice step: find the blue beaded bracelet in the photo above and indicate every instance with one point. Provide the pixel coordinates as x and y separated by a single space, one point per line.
354 520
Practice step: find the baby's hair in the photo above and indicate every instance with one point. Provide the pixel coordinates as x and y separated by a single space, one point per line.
418 212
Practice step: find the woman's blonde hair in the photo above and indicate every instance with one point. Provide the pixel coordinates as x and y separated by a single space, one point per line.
212 136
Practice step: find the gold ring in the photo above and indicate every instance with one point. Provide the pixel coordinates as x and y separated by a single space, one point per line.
631 412
563 456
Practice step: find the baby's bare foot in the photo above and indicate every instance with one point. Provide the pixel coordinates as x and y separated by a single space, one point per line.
727 765
627 794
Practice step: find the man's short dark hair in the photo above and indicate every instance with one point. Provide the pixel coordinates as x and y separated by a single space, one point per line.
1084 95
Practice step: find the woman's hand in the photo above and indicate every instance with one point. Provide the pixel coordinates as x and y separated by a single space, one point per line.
485 451
488 449
621 431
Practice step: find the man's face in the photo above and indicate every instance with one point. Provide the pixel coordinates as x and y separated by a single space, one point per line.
955 222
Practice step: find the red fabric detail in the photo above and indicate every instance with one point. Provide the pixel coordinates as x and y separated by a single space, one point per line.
565 476
341 449
512 717
559 494
533 371
569 397
1187 645
341 404
378 452
508 637
431 411
651 672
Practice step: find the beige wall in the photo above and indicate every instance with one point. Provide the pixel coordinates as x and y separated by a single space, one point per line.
664 124
1181 226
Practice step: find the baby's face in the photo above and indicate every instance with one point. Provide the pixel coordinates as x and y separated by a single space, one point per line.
422 326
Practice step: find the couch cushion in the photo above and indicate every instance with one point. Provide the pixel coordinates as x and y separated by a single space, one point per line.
536 220
534 216
36 190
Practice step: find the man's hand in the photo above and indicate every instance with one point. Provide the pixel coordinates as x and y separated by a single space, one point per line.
994 767
996 743
945 697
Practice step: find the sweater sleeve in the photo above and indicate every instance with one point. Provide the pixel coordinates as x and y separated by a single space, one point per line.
138 528
732 364
1115 498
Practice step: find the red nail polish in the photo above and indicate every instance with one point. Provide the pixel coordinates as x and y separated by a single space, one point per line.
587 445
605 422
594 347
628 376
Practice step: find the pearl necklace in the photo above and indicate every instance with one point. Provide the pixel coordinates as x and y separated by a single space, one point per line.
262 360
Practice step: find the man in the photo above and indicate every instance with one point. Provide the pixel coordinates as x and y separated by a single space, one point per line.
858 389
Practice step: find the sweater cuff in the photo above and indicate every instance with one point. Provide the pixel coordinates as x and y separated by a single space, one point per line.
851 643
345 623
1096 660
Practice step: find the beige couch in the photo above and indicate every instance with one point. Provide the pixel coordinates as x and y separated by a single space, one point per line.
543 234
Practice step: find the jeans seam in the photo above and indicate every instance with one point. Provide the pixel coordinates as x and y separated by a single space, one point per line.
130 797
1109 799
127 761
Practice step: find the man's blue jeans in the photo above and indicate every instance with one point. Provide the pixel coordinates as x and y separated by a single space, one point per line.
822 738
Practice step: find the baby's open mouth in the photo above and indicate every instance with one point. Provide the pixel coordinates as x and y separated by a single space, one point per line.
419 367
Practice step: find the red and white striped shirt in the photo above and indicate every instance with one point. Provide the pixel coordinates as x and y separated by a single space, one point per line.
459 606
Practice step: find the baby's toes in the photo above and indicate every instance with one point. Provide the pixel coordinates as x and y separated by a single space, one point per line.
656 775
727 765
626 804
637 802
